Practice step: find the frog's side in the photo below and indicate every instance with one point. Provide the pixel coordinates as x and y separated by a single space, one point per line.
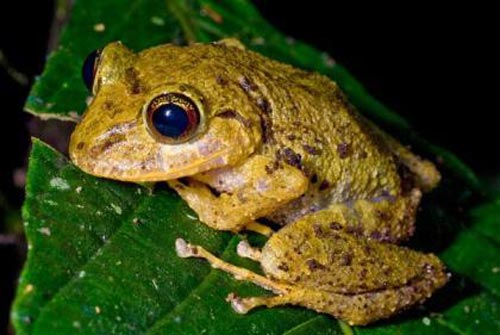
276 142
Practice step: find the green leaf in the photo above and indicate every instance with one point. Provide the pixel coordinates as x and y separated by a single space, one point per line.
477 314
475 251
102 261
101 257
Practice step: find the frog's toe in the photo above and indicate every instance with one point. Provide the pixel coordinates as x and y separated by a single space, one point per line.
244 305
245 250
184 249
238 304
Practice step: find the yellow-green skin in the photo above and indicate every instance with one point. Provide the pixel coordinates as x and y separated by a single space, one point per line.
279 143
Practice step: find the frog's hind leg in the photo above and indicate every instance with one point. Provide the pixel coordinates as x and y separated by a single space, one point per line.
426 175
285 293
353 279
350 277
384 218
187 250
244 305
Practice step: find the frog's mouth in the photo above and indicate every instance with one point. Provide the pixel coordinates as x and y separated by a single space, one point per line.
153 169
122 160
128 156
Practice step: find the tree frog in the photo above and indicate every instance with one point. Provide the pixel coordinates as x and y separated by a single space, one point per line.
246 140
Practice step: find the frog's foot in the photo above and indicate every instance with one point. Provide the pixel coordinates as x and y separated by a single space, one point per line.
244 305
214 210
354 308
375 281
244 249
187 250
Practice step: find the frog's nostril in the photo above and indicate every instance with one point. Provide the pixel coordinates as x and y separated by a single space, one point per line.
80 145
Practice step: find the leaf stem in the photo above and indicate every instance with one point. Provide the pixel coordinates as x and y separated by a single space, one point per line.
180 12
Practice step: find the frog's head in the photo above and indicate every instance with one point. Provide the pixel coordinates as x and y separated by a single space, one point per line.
161 114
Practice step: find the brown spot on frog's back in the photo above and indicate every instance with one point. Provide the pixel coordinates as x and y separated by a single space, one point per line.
290 157
325 184
314 265
346 258
247 85
314 178
221 80
344 150
311 150
318 232
335 226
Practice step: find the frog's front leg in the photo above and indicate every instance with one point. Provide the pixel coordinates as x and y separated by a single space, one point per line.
249 191
310 264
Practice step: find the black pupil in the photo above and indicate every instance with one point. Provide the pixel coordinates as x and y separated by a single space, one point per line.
170 120
89 67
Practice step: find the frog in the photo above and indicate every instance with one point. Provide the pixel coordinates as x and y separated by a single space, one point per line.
254 144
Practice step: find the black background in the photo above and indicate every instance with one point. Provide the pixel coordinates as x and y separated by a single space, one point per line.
434 62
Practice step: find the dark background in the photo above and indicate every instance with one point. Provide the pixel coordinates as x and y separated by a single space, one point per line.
433 62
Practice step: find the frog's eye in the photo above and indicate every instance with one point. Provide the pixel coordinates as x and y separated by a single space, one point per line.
172 117
89 68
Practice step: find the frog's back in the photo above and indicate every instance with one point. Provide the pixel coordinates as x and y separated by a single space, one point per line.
307 121
305 118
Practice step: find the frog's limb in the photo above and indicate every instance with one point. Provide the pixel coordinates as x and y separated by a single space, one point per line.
355 309
427 176
244 249
187 250
385 218
259 228
244 305
353 279
333 260
256 189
